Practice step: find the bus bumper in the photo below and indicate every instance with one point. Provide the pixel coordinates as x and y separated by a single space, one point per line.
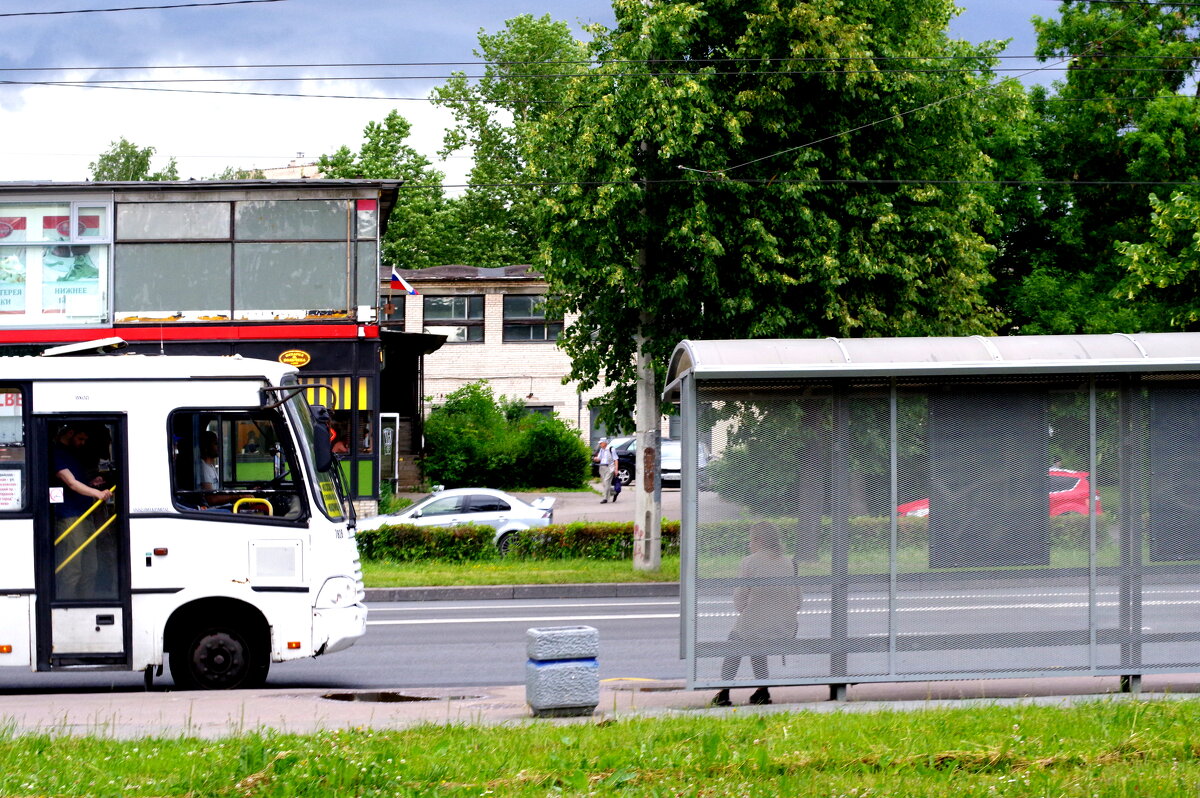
338 628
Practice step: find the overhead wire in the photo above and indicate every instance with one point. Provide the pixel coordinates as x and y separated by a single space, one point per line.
893 117
134 8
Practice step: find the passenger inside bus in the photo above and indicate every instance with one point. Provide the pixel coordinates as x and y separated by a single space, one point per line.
84 556
216 471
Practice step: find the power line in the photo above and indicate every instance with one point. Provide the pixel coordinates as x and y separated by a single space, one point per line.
768 181
609 76
394 98
405 64
1094 46
135 8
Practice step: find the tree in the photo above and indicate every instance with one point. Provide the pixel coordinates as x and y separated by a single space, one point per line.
476 439
523 80
233 173
421 231
1108 136
1166 268
125 161
761 168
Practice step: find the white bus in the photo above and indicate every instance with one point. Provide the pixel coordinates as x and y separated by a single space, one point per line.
184 509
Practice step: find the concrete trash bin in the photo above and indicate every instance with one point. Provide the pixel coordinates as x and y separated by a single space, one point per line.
562 676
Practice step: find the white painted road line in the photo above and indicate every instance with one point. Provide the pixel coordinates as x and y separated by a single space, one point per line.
527 619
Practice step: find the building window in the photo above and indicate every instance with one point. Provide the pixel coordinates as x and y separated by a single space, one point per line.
459 318
525 320
54 263
392 313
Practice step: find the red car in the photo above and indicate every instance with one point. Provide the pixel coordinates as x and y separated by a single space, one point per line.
1069 492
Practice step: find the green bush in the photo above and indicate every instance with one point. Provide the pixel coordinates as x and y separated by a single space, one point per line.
549 454
467 440
595 540
389 502
409 543
475 439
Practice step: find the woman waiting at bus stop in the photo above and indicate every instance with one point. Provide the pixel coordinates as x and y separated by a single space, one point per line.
766 612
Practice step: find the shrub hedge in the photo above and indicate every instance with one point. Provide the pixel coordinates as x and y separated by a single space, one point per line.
614 541
595 540
408 543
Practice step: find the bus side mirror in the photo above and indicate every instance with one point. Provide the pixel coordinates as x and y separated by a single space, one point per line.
322 445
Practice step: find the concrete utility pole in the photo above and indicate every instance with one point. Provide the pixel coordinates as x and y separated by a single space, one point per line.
647 520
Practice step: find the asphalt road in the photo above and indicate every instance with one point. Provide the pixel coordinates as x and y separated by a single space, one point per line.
482 643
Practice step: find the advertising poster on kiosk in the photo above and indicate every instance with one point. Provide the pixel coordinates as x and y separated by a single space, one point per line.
12 265
70 274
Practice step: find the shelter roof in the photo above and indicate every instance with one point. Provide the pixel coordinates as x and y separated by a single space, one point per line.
846 357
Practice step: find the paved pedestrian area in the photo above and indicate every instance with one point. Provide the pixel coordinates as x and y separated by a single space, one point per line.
221 714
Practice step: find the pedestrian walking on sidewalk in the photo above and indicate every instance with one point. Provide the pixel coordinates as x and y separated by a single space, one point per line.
608 470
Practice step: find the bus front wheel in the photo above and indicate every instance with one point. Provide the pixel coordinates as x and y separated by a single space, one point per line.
218 658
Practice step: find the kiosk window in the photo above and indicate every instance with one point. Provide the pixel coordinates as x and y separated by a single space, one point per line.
235 462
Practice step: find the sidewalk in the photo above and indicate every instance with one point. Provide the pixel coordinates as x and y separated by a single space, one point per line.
303 711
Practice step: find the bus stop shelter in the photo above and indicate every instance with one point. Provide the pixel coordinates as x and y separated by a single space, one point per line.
939 508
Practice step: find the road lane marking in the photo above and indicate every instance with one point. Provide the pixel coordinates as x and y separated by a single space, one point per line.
525 619
497 605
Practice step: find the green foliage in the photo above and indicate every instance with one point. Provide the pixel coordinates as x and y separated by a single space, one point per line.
522 81
549 453
1105 748
232 173
756 196
468 440
592 539
1100 142
409 543
473 439
125 161
581 539
421 231
1166 268
389 502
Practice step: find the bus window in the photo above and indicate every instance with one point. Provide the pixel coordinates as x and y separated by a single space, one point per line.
236 462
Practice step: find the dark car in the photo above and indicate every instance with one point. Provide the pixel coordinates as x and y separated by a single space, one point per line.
670 460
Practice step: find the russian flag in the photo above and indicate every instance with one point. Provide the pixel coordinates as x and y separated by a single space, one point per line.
400 284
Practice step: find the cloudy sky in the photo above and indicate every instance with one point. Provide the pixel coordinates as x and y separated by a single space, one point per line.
52 132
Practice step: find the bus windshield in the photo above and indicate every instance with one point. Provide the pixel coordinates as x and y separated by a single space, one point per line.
327 491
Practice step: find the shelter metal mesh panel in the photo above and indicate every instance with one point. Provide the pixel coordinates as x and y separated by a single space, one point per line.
850 532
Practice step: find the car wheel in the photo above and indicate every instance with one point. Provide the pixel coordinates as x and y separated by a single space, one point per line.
504 541
219 658
625 474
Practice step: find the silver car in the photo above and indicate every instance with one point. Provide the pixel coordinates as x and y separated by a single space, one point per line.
482 506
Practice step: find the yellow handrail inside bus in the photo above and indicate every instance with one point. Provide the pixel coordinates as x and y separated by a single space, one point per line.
253 500
85 543
71 528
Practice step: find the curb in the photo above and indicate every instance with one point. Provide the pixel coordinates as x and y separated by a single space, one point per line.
503 592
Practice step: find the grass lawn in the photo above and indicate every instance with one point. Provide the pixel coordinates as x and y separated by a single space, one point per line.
432 573
1105 748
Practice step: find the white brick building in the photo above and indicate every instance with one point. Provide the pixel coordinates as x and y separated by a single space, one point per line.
495 332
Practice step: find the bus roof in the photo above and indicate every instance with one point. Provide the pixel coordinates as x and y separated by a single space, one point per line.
141 367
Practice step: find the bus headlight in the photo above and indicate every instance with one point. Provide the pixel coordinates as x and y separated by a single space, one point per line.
338 591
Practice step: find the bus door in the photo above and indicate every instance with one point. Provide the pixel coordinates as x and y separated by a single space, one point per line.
82 543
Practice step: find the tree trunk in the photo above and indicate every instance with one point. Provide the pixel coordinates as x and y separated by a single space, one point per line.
647 520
